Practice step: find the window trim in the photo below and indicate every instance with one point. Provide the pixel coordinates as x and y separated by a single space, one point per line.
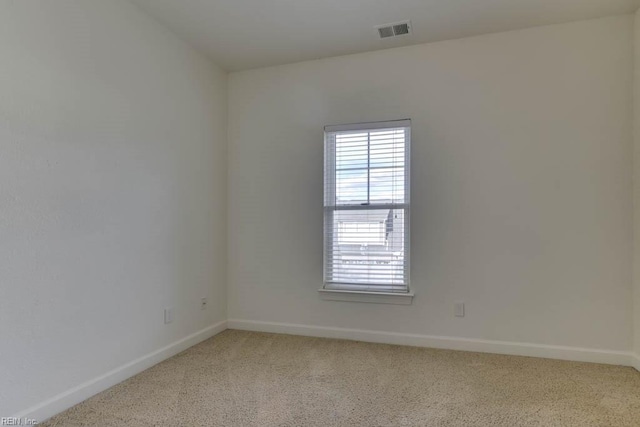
400 298
342 291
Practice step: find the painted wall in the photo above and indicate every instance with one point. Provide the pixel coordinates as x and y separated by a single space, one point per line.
521 184
636 189
112 193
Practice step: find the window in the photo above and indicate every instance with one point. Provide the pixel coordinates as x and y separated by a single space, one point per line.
366 207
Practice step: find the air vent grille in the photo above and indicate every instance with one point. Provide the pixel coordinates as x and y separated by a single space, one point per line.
385 32
401 29
394 30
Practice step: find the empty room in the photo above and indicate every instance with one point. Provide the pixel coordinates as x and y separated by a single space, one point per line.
320 213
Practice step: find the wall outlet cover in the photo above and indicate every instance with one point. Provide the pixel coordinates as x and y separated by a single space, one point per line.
458 309
168 315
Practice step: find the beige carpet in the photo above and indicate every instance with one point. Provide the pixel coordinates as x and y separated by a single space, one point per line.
255 379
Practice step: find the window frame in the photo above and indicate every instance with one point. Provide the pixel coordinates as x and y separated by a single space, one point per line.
372 292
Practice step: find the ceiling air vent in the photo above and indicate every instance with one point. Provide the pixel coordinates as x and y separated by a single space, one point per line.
394 30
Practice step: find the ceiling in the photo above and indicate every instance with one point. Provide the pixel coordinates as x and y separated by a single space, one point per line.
243 34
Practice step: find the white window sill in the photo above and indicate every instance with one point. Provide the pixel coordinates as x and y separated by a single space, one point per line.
363 296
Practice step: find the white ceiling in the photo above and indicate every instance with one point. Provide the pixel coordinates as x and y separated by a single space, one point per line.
242 34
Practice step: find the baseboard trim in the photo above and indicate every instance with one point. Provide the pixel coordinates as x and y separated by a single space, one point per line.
442 342
69 398
635 361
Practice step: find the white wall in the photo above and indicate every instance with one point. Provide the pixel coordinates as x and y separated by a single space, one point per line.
112 193
521 184
636 189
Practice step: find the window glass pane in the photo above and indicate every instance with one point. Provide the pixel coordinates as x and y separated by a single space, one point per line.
368 247
386 185
351 186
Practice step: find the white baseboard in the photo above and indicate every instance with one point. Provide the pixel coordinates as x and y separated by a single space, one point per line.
450 343
69 398
635 361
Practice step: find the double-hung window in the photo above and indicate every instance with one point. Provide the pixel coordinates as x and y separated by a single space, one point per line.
366 207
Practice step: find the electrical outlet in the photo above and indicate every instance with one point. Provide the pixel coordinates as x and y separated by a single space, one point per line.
203 304
458 309
168 315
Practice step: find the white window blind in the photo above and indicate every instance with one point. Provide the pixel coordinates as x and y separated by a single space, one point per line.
366 206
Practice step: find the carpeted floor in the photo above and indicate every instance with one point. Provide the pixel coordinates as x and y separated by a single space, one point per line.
255 379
